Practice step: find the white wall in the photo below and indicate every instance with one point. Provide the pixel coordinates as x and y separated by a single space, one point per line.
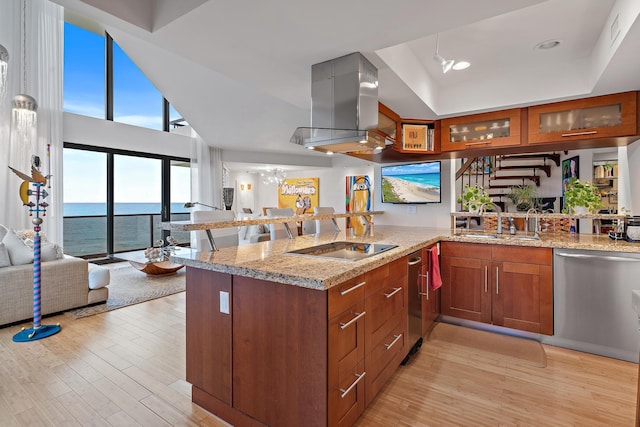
104 133
332 193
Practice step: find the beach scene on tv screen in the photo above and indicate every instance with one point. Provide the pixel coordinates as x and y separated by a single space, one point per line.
414 183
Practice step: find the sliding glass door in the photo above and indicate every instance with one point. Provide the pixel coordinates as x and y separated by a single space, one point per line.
85 202
114 200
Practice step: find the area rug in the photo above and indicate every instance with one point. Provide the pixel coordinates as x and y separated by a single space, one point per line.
516 349
129 286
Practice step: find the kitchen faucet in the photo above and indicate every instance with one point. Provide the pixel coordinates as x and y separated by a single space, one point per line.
536 227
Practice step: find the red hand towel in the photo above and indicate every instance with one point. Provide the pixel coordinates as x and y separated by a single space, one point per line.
434 270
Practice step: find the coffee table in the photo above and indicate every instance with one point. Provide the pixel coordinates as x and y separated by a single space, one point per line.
161 267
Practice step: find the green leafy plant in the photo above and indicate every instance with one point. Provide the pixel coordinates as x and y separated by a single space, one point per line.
524 197
581 194
473 197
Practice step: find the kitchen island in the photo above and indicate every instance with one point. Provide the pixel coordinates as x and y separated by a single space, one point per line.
285 339
280 339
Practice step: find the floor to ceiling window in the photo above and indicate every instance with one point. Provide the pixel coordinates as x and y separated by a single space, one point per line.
114 200
85 202
136 101
84 71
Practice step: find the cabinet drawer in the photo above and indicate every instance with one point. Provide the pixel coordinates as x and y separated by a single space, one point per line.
383 308
346 341
347 398
384 359
382 276
542 256
466 250
345 295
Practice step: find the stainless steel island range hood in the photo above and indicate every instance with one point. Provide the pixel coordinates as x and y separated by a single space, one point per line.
344 107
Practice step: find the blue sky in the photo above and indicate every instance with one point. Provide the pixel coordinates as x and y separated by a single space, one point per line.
429 167
136 102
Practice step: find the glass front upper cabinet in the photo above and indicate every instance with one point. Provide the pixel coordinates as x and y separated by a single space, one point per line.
598 117
486 130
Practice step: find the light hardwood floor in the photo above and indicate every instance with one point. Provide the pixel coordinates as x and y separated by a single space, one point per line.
127 367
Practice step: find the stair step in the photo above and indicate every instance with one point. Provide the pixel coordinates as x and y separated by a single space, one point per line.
534 178
555 157
545 168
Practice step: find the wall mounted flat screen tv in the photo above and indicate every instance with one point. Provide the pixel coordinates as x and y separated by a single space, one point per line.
411 183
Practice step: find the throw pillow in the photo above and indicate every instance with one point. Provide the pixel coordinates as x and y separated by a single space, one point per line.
4 256
49 252
3 232
19 253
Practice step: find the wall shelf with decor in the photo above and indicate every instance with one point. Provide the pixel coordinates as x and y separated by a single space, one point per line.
418 136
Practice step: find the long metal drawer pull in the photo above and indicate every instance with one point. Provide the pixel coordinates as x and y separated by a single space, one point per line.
590 132
497 282
468 144
396 338
395 291
486 278
355 319
420 286
606 258
346 291
427 287
355 383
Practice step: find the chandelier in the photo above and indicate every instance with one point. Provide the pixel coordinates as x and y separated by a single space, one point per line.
24 107
273 176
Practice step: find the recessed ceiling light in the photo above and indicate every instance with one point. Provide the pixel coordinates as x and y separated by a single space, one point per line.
548 44
461 65
311 148
329 153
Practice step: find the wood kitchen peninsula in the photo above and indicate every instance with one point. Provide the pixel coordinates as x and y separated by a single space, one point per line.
283 339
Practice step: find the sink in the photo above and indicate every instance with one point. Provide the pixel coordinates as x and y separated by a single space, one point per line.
528 238
635 301
346 251
479 236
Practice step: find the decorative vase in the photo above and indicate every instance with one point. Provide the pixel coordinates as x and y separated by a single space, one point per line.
227 197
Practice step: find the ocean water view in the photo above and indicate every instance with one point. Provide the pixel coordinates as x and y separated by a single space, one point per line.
91 209
423 179
136 226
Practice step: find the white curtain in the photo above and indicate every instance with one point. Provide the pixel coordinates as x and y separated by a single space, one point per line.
37 72
206 175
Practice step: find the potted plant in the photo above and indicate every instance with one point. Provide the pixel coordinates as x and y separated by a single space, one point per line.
523 197
473 197
581 197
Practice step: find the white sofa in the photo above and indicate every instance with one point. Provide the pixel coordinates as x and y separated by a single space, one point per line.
65 284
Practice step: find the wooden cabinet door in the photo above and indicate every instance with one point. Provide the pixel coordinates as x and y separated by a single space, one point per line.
465 290
522 296
605 116
346 342
208 333
486 130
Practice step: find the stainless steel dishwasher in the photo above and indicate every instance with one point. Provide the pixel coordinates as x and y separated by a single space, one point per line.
592 302
414 261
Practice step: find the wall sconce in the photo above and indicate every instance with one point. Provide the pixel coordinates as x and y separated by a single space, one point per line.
248 187
241 187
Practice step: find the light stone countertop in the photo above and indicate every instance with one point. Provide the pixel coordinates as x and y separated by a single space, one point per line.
268 260
193 226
